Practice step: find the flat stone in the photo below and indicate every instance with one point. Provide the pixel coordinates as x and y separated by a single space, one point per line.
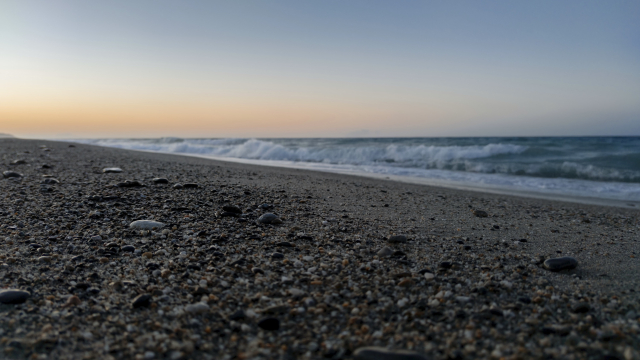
18 162
14 296
111 170
190 185
269 218
11 174
397 239
128 248
269 324
232 209
197 308
380 353
558 264
277 255
238 315
50 181
385 252
143 300
160 181
146 224
178 186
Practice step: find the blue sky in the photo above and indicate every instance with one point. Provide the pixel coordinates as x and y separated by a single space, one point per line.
323 68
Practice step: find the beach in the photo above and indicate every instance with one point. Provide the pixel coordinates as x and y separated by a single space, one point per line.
344 262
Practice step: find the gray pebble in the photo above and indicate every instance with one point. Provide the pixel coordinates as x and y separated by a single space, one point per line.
11 174
160 181
385 252
558 264
269 218
397 239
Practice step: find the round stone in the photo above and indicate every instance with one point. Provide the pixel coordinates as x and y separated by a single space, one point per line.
14 296
269 324
558 264
269 218
178 186
11 174
385 252
160 181
128 248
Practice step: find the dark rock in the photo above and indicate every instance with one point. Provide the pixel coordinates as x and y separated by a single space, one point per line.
397 239
269 218
199 290
13 296
232 209
265 206
558 264
160 181
143 300
229 214
446 265
581 308
178 186
238 315
128 248
380 353
480 213
524 299
50 181
277 255
18 162
269 324
190 185
256 270
11 174
129 183
285 244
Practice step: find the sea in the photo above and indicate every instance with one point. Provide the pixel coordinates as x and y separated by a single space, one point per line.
589 169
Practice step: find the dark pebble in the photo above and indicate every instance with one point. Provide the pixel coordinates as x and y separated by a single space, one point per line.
50 181
229 214
13 296
18 162
160 181
141 301
380 353
284 244
238 315
480 213
11 174
524 299
128 248
232 209
190 186
269 219
269 323
446 265
178 186
581 308
277 255
558 264
397 239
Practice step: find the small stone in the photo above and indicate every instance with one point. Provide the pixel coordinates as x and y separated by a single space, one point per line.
269 218
397 239
190 185
18 162
446 265
277 255
50 181
128 248
111 170
146 224
385 252
480 213
406 283
160 181
143 300
232 209
197 308
238 315
269 324
178 186
11 174
558 264
129 183
380 353
72 301
14 296
581 308
429 276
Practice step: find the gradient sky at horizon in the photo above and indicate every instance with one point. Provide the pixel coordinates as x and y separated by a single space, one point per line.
319 69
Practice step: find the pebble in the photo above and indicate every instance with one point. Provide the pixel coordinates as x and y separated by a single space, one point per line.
480 213
18 162
128 248
269 218
143 300
178 186
581 308
380 353
111 170
232 209
160 181
558 264
146 224
385 252
397 239
11 174
50 181
277 255
190 185
197 308
429 276
269 324
14 296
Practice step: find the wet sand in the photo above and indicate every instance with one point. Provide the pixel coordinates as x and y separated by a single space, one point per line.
331 275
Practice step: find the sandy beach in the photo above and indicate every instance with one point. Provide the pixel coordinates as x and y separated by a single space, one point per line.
344 263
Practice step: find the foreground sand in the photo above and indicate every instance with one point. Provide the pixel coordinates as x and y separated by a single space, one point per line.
461 286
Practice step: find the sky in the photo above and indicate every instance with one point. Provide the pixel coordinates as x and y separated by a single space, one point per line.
96 69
